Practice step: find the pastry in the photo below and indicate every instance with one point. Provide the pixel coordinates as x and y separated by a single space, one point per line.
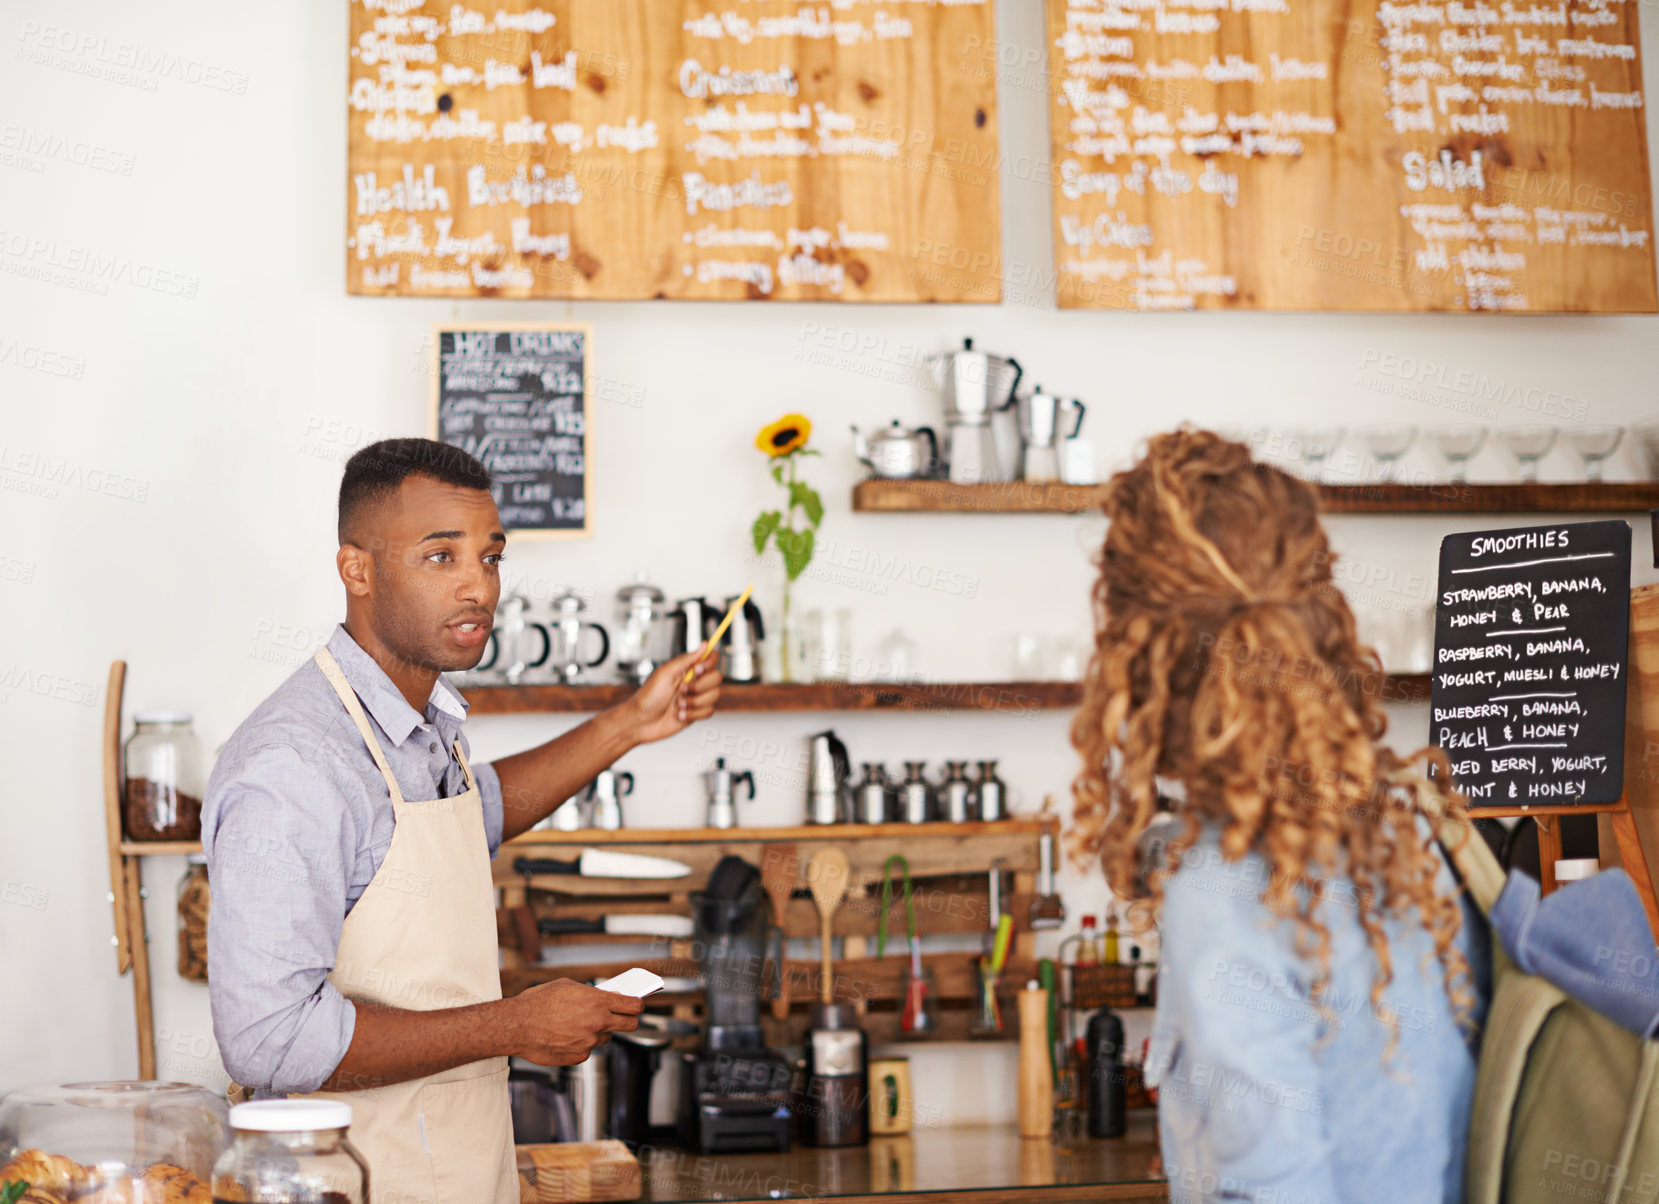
52 1172
176 1185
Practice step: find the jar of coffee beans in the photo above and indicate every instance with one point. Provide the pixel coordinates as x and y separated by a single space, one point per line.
165 781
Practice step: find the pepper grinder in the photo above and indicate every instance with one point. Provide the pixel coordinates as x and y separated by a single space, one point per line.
1036 1081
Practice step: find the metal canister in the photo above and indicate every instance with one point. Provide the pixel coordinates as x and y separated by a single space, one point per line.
588 1083
956 793
915 795
992 792
872 795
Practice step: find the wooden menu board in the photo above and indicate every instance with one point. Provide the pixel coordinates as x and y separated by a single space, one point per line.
1530 650
1372 155
661 148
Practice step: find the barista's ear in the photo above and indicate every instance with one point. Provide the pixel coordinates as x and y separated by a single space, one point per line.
356 569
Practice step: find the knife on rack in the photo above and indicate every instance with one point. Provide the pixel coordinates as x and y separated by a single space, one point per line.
602 863
619 925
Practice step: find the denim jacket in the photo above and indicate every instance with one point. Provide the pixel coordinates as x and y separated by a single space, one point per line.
1264 1097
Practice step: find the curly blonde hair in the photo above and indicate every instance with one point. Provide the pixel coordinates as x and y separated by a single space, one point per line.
1226 658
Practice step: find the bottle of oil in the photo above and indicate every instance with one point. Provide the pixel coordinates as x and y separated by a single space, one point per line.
1109 954
1088 949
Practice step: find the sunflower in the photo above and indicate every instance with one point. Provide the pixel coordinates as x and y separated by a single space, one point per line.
787 434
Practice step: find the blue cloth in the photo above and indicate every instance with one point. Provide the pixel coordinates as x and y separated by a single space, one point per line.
296 822
1590 938
1250 1106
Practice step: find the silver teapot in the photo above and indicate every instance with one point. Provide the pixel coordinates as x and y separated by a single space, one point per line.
898 452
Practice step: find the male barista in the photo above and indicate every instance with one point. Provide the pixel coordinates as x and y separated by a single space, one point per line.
353 937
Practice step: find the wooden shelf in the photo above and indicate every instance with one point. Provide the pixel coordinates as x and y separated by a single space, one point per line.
1021 497
833 833
1407 687
1015 698
1579 497
160 848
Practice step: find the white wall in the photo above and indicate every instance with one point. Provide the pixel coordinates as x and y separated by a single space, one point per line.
231 412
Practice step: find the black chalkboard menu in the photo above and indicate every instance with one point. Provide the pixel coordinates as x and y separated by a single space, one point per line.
1530 633
516 396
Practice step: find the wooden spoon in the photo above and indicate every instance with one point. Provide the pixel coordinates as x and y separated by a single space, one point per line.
780 866
827 874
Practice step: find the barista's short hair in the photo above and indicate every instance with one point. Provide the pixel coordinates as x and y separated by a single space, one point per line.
375 472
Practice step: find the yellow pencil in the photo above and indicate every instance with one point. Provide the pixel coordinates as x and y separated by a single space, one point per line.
721 630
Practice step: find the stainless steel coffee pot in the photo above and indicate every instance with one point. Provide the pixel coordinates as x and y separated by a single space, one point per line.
608 790
975 385
1041 417
898 452
828 771
690 623
740 648
721 784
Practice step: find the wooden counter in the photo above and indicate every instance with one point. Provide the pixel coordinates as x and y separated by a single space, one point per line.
932 1165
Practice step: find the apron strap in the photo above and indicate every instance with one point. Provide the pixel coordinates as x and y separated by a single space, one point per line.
336 678
466 769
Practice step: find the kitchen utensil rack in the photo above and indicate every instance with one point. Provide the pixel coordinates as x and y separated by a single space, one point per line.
947 864
1102 987
1039 497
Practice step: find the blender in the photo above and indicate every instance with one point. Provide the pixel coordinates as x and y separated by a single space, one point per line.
734 1092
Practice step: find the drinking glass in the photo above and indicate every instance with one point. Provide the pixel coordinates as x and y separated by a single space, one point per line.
1646 435
1593 445
1529 444
1030 657
1313 446
829 643
1386 444
1458 445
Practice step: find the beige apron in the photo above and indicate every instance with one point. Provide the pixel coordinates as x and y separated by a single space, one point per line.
423 936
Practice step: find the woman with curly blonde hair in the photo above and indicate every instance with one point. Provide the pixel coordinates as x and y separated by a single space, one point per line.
1318 988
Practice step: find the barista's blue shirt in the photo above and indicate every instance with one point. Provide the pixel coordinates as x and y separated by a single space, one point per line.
1250 1106
295 824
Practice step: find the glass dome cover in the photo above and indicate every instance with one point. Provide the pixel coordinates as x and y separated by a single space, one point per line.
112 1143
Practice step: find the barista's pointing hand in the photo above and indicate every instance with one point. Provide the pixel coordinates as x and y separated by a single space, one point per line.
666 704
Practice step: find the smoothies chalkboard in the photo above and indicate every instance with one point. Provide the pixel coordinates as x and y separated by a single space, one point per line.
516 396
1530 635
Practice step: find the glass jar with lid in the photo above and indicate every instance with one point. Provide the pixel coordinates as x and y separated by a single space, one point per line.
165 778
291 1151
112 1141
